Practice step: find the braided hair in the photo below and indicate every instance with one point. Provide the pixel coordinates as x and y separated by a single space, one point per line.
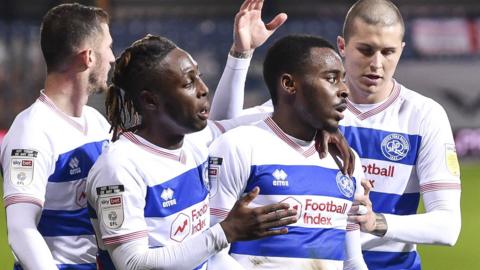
131 76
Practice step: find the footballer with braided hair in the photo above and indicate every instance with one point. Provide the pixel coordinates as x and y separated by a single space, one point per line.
149 190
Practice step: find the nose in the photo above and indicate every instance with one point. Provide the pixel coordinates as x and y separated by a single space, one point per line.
376 62
202 89
111 58
343 91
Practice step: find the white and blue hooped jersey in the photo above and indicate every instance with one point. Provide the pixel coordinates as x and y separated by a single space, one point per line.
46 156
139 190
406 147
286 170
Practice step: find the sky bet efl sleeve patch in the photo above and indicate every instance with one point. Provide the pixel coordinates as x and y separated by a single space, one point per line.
214 164
22 163
452 160
110 205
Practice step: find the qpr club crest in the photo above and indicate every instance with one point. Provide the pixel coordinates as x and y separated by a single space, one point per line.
345 185
206 181
395 147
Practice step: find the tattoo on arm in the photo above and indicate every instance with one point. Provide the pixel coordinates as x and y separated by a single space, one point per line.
381 226
241 55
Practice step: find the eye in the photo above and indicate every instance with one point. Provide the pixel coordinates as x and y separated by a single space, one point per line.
332 79
188 84
366 51
388 51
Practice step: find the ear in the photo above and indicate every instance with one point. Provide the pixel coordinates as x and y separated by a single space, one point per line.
148 100
287 84
341 45
86 58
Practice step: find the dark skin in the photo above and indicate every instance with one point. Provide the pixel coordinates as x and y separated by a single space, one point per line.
314 99
178 104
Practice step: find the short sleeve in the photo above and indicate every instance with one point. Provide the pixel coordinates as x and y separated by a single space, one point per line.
27 161
229 169
437 160
117 193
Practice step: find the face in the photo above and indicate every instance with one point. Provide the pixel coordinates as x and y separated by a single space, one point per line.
184 95
103 60
371 57
321 89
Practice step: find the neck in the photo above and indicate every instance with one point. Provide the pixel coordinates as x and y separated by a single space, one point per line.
360 96
68 92
292 125
161 138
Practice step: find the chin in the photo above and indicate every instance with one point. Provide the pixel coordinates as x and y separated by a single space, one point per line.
331 127
197 126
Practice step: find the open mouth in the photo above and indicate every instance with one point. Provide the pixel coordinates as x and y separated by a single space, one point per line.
203 114
373 76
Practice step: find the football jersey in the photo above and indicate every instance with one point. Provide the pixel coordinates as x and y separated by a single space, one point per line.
286 170
46 156
139 190
406 147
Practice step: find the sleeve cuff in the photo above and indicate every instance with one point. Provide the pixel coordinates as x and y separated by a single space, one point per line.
238 63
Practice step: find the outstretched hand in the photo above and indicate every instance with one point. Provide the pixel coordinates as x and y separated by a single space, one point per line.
245 223
249 30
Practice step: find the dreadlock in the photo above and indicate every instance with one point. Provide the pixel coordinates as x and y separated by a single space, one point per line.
131 76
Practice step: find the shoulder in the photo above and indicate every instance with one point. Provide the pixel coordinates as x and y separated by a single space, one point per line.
422 104
28 129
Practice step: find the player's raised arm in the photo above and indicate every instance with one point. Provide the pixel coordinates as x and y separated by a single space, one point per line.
249 33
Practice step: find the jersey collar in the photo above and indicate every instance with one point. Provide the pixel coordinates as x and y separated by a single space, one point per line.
306 151
47 101
144 144
381 107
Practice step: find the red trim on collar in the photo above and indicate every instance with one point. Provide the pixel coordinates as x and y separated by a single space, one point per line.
45 100
157 151
384 105
284 137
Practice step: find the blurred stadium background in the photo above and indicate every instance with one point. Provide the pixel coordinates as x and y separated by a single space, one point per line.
441 60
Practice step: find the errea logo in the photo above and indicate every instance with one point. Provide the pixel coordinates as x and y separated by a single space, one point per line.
280 178
167 196
73 164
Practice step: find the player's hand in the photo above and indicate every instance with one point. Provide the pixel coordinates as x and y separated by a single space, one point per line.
335 140
249 30
361 211
245 223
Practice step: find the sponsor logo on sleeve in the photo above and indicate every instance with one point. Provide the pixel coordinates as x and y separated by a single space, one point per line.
395 147
214 164
452 159
110 204
345 185
22 165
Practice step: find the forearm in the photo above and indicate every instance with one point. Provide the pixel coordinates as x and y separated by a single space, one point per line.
440 224
187 255
353 251
227 102
25 240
